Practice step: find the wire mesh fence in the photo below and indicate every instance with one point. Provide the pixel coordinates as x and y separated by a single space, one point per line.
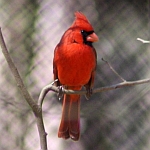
114 120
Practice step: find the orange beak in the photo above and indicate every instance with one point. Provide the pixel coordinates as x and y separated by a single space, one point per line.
92 37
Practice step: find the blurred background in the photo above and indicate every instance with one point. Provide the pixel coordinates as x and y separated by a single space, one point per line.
114 120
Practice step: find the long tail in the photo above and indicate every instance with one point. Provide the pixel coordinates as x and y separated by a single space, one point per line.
70 121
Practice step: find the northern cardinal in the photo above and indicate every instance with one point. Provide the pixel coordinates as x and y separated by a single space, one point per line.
74 66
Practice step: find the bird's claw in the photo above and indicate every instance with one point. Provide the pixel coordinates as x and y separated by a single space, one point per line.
89 93
60 93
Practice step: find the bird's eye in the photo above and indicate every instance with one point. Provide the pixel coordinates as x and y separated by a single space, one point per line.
84 33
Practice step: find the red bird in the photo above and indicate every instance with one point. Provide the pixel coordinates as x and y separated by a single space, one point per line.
74 66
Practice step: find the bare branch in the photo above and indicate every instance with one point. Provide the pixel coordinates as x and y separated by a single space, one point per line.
53 88
45 90
113 70
37 109
143 41
121 85
16 74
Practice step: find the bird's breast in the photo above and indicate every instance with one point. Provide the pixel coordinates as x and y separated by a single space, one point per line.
75 64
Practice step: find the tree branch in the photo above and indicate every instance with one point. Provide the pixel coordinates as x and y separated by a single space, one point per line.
53 88
143 41
37 109
121 85
113 70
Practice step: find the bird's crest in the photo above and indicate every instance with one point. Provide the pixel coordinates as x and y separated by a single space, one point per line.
82 22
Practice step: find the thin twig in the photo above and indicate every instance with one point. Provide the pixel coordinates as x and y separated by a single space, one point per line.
44 91
121 85
113 70
143 41
37 109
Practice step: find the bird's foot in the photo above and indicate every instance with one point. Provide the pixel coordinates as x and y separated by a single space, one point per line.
61 92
